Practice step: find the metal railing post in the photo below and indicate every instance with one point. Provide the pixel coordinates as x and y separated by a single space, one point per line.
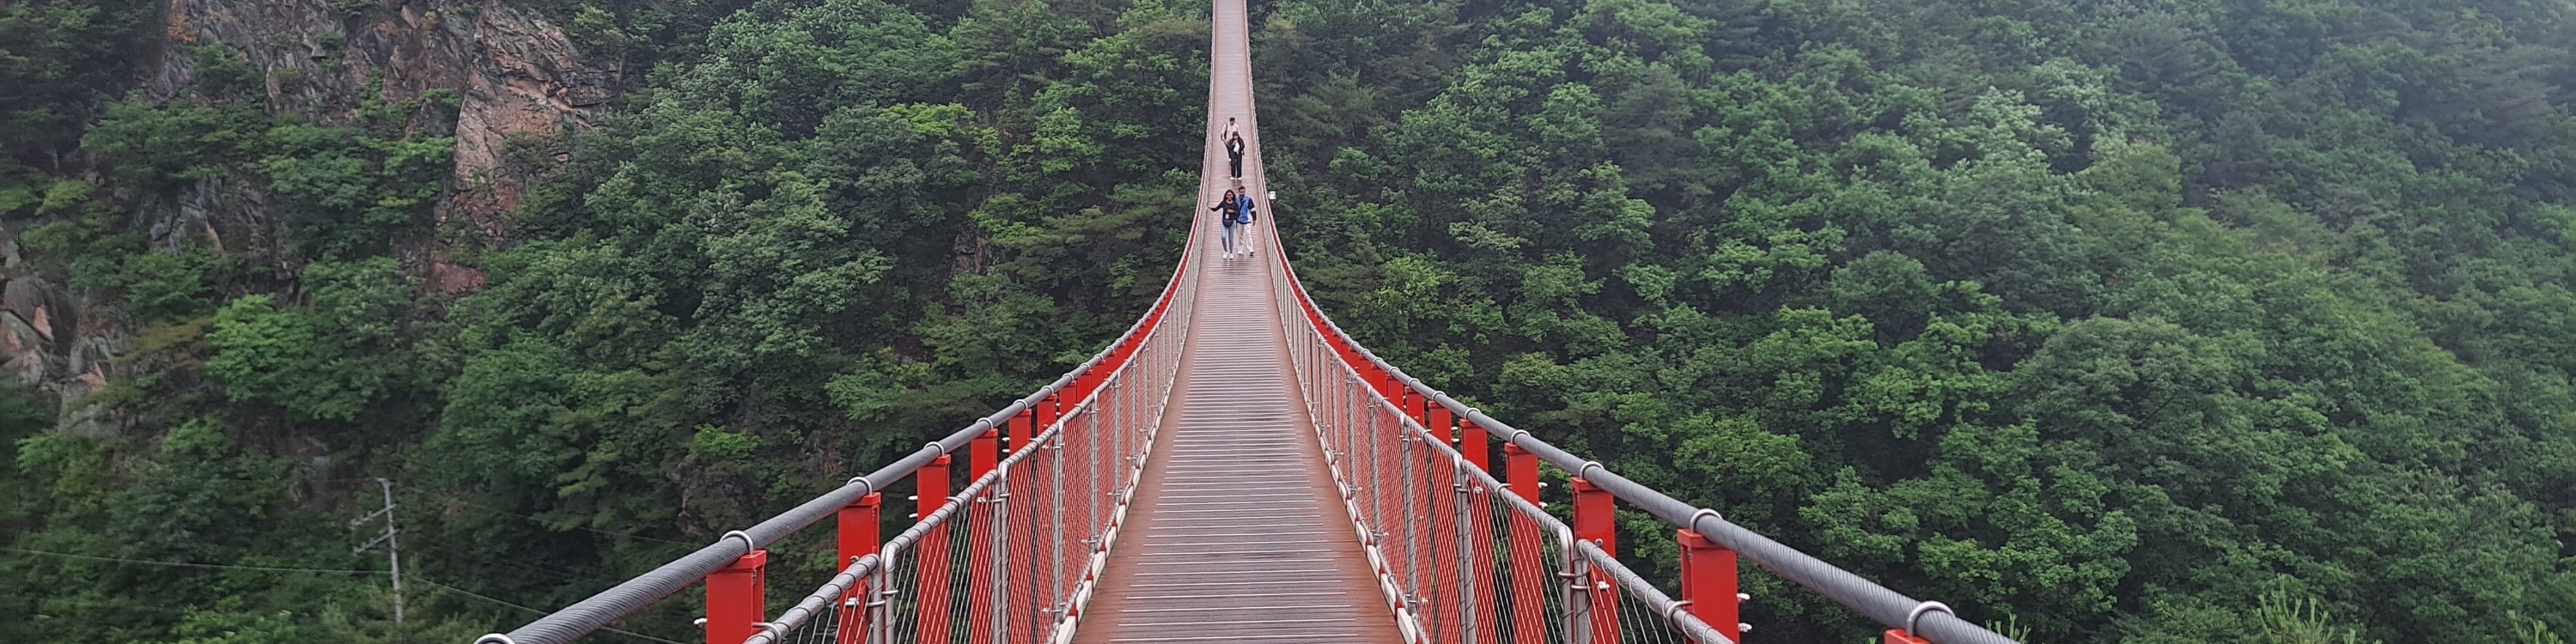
1092 494
1470 570
857 527
1596 520
1473 444
1376 509
931 486
1596 517
856 531
1709 583
1577 573
1523 474
735 598
880 606
1001 557
1062 601
983 453
1442 424
1020 432
1412 542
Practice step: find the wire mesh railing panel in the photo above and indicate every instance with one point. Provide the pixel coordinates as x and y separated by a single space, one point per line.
1032 497
1636 611
896 603
1525 576
1004 560
1469 559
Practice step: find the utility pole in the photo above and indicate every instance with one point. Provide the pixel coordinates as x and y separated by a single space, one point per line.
393 548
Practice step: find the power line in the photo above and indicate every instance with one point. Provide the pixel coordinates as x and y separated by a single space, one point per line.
415 579
468 593
552 523
182 564
558 572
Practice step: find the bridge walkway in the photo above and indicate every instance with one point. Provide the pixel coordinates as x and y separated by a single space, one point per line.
1237 533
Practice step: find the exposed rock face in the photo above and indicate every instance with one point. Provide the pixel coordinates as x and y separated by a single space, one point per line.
517 74
45 338
515 77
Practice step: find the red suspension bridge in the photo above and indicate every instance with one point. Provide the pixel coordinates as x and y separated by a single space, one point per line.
1236 469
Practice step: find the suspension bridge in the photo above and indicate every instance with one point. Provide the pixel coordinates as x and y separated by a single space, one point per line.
1234 468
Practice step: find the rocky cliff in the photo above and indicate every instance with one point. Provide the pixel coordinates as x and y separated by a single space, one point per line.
516 78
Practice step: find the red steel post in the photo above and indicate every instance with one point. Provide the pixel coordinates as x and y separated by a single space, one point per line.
1442 424
1899 636
1422 406
1472 444
1596 519
858 528
984 453
1021 432
931 484
858 538
1709 583
1523 476
1024 537
1022 437
1596 516
734 598
1527 624
1046 413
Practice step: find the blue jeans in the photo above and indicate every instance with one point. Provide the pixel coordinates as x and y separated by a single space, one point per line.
1229 236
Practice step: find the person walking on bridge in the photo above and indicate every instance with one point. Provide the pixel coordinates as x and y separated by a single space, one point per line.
1228 210
1234 153
1245 214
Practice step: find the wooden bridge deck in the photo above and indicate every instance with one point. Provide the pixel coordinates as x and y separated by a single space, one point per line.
1236 533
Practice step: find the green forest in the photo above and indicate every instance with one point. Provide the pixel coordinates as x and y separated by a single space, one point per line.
2133 321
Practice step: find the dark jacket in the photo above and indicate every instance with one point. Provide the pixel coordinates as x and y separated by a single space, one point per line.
1234 147
1227 210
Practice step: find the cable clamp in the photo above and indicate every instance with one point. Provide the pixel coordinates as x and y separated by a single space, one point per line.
747 546
1704 512
1915 618
1672 613
1588 467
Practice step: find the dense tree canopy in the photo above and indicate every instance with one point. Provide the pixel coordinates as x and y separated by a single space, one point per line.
2116 321
2232 321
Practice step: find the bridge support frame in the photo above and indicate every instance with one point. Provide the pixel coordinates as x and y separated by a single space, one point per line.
735 597
931 488
858 526
1596 520
1596 516
856 529
985 453
1473 444
1899 636
1523 477
1709 583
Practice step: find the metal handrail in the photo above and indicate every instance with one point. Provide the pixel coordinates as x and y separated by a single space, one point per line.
1689 625
1930 620
587 615
838 586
